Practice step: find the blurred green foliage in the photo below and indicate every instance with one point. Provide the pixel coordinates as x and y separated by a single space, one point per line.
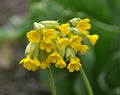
101 63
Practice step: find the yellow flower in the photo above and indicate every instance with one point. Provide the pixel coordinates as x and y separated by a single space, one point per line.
74 64
83 49
33 36
61 64
53 57
30 64
36 61
93 38
48 45
64 29
75 41
49 34
62 42
44 64
83 25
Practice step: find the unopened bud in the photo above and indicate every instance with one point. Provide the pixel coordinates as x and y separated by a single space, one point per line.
38 26
30 48
74 21
50 24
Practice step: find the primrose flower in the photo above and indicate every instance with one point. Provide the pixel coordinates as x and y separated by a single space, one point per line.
83 49
75 41
30 64
64 29
93 38
62 43
61 64
54 57
33 36
44 64
83 25
49 34
74 64
48 45
36 61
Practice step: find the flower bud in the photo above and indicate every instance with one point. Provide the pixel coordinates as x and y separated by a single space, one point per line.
70 52
38 26
50 24
74 21
30 48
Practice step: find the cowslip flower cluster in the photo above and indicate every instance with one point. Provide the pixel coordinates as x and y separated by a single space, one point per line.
53 43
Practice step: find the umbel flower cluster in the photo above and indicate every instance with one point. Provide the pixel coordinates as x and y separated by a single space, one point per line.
53 43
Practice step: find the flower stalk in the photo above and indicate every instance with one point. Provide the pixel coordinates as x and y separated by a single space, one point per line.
87 84
51 82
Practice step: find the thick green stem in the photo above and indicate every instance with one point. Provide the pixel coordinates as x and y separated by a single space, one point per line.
87 84
51 81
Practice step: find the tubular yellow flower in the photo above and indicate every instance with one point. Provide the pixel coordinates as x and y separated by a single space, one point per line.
48 45
27 59
83 25
61 64
62 43
49 34
30 64
53 57
83 49
33 36
93 38
74 64
44 64
64 29
75 41
36 61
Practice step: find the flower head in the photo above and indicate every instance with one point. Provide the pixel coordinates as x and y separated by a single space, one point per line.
33 36
74 64
57 43
83 25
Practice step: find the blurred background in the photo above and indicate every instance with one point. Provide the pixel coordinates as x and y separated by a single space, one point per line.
101 63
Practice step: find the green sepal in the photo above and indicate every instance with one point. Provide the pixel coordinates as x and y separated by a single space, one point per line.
50 24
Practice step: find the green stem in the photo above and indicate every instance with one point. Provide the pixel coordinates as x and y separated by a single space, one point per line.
87 84
51 81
